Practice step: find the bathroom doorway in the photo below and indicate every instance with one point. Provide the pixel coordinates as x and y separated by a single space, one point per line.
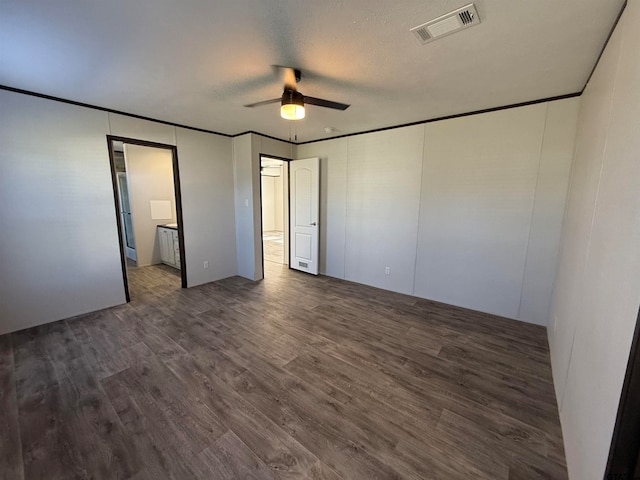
149 215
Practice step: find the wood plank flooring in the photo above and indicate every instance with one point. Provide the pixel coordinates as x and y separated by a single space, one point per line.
273 246
294 377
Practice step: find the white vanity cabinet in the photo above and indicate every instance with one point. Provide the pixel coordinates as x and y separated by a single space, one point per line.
169 246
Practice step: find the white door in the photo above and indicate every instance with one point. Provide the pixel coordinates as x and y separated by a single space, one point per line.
304 183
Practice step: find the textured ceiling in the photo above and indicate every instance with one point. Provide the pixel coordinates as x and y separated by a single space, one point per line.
197 62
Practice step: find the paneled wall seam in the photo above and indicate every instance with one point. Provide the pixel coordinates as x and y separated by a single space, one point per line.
415 260
570 189
235 201
533 206
346 213
563 232
593 217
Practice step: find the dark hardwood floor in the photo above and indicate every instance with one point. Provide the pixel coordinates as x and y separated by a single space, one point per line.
292 377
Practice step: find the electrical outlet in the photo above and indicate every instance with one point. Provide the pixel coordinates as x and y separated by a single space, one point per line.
246 202
206 264
387 270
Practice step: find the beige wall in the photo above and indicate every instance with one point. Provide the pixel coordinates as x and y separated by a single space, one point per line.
246 162
59 247
61 257
493 196
149 178
244 192
597 289
466 211
208 212
220 179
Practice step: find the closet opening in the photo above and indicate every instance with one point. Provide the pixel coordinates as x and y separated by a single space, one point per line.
274 199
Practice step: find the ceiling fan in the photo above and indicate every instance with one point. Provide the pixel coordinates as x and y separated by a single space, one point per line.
292 101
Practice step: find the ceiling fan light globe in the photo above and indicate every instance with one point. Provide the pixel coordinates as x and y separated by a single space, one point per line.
291 111
292 105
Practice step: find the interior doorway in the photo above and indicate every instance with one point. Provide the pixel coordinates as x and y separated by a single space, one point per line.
148 204
274 197
624 453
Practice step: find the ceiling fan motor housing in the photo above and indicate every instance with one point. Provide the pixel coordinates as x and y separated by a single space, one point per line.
292 97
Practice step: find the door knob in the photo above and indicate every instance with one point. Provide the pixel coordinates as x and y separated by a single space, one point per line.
313 223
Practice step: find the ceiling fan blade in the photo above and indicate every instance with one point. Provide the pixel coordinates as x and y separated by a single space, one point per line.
319 102
264 102
290 76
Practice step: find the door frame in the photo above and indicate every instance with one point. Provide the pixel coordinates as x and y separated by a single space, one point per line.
178 199
287 161
624 453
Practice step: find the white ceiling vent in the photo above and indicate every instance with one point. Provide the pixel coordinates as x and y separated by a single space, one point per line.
447 24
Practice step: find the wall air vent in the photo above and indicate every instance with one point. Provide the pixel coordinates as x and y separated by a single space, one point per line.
447 24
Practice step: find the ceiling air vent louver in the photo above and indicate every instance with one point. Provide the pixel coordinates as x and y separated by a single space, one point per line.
466 17
422 34
447 24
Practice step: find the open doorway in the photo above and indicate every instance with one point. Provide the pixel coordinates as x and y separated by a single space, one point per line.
149 215
624 453
274 196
